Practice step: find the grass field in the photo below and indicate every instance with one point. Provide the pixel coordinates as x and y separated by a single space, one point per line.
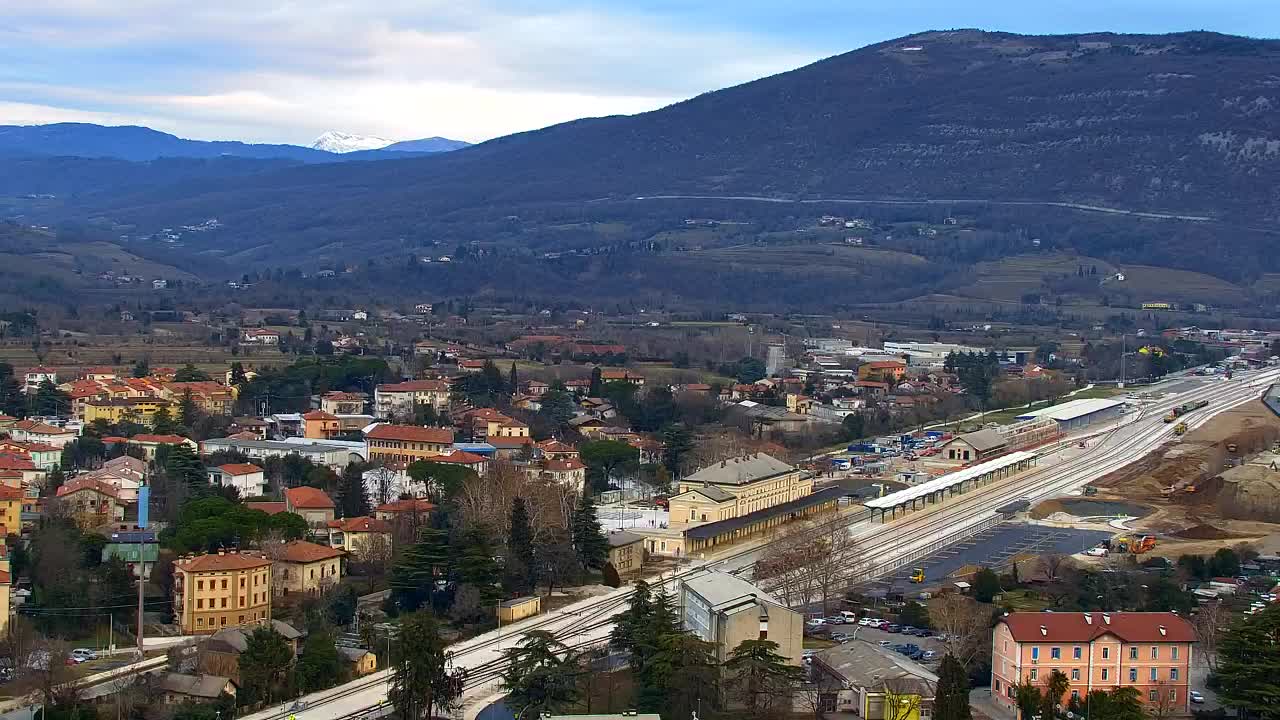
818 257
1009 279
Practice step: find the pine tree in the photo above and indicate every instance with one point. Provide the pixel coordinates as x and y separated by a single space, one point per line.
476 566
54 480
182 466
162 422
353 497
414 575
676 441
188 411
588 540
952 696
238 376
597 383
521 575
627 630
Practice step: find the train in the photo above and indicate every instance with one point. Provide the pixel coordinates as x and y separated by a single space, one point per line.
1183 409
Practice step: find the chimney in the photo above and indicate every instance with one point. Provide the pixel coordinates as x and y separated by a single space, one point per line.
1106 618
1088 619
1044 631
1164 630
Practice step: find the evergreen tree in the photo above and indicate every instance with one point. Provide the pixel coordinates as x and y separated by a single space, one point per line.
597 383
588 539
54 480
141 369
190 373
238 376
513 382
521 575
188 411
760 678
320 666
492 378
423 679
556 404
682 677
12 401
353 497
541 675
182 466
162 422
676 441
414 575
952 695
265 664
476 566
49 400
1249 664
630 626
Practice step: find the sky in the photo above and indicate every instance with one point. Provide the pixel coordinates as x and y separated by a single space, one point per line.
269 71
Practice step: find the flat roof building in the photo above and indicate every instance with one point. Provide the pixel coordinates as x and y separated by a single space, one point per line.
726 610
1077 414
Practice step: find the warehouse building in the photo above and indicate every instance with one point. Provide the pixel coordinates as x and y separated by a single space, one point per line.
1078 414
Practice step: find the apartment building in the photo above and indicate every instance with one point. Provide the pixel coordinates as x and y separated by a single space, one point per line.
1096 651
403 444
227 589
398 399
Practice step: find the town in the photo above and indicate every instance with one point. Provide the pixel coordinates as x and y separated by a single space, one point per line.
830 526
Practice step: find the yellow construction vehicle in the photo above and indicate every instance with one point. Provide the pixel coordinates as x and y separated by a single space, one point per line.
1135 545
917 575
1180 429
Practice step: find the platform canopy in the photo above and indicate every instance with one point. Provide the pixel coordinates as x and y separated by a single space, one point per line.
950 480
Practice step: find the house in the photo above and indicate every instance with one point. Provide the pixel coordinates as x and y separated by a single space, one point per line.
226 589
415 510
471 366
138 548
422 309
221 652
872 683
177 689
34 431
43 457
305 567
537 388
397 400
553 449
360 315
343 403
33 378
355 534
478 464
608 375
626 551
725 610
1149 651
360 661
510 447
92 501
587 425
10 511
256 336
890 371
568 472
406 443
247 478
321 425
151 443
19 469
974 446
312 504
335 454
257 427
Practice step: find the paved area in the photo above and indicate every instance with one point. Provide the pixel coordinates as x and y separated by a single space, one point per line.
992 548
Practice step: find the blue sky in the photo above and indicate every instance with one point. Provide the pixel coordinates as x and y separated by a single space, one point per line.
266 71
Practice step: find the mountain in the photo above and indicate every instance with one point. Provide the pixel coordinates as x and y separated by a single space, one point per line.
428 145
1182 124
340 142
142 144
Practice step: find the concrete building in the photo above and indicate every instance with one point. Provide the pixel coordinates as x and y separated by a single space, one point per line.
726 610
1078 414
873 683
403 444
140 410
738 486
1149 651
331 455
626 551
355 534
397 400
247 478
312 504
775 359
177 689
215 591
305 567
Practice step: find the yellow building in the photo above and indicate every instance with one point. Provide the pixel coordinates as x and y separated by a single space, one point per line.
11 499
407 443
626 551
114 410
356 534
304 567
211 592
321 425
360 661
736 487
726 611
510 611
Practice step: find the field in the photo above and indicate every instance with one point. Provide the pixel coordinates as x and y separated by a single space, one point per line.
1156 284
1009 279
816 257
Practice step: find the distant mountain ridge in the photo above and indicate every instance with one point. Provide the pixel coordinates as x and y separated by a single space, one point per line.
141 144
339 142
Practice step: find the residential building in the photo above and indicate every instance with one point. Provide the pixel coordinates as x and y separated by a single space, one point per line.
412 510
626 551
138 548
321 425
43 457
247 478
476 463
311 503
34 431
608 375
1148 651
10 510
256 336
569 472
92 502
178 689
305 567
333 454
356 534
114 410
343 403
221 651
726 610
872 682
888 371
151 443
406 443
360 661
36 376
226 589
212 397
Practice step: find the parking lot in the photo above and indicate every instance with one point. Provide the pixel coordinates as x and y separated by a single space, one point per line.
877 636
992 548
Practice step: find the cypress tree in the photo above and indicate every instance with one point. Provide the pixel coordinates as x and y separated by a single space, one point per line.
952 695
588 540
521 573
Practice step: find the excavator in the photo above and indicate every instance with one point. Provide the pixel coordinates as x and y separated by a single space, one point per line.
1135 545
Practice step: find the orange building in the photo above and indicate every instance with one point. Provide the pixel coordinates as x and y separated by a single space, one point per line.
321 425
211 592
407 443
1096 651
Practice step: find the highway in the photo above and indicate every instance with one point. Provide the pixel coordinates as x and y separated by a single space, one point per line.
886 545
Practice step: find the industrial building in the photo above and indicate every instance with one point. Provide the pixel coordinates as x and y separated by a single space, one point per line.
1078 414
726 610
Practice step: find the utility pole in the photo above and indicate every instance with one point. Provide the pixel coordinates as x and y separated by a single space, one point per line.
1124 354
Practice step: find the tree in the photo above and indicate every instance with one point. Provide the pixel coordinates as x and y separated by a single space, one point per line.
682 676
414 575
597 382
1249 664
521 573
1028 698
188 411
951 700
190 373
182 466
423 678
162 422
914 614
760 678
141 369
541 675
1210 624
966 624
265 666
677 441
609 576
353 498
513 381
556 404
238 376
476 568
604 457
320 666
588 540
986 585
441 480
54 480
1055 690
49 400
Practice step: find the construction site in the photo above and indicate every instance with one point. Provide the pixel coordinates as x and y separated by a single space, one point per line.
1213 486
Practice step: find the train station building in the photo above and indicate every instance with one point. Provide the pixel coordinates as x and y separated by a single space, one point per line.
950 485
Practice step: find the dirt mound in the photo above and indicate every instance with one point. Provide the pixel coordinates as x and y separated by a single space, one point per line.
1204 531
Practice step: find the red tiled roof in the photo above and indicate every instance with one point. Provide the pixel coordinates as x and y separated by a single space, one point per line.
16 461
218 562
35 426
319 415
412 433
564 464
77 484
886 364
556 447
509 442
360 525
459 457
159 439
270 508
5 578
8 492
240 468
1073 626
301 551
406 505
307 497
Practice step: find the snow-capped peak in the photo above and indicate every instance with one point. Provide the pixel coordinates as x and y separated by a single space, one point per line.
340 142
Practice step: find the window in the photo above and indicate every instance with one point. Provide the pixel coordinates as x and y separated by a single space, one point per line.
1174 652
1173 673
997 686
199 622
1006 646
1133 653
1075 694
1075 653
224 583
199 604
1155 652
1034 673
241 582
1154 695
1105 674
1154 674
199 584
1075 673
1173 695
1035 653
1055 653
222 620
1106 653
1133 674
224 602
241 619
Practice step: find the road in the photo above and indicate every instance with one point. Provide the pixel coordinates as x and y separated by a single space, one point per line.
888 546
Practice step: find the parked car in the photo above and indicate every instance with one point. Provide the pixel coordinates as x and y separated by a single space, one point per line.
924 633
835 620
1196 697
84 654
893 628
908 629
885 643
929 655
849 615
815 623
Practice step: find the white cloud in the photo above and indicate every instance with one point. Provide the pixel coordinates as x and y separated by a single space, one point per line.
286 72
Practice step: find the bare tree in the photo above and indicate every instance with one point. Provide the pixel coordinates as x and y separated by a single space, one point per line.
1051 564
373 558
965 623
904 697
1210 623
384 485
838 559
1164 706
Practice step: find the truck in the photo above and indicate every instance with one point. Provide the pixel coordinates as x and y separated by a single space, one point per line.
917 575
1183 409
1180 428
